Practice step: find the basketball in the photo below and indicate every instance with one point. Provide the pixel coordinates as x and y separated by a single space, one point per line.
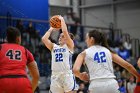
55 22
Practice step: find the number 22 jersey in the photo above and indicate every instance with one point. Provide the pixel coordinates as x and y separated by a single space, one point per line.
61 58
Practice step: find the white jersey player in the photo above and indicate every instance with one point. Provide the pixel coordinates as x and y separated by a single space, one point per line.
61 58
62 79
98 58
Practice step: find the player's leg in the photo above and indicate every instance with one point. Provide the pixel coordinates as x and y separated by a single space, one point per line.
23 86
105 89
56 85
70 85
15 85
104 86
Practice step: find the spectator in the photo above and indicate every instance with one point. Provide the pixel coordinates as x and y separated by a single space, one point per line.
131 85
122 89
68 18
123 53
33 35
82 88
74 27
117 72
20 26
128 46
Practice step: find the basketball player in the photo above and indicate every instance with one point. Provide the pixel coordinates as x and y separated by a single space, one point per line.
62 79
98 58
137 89
13 61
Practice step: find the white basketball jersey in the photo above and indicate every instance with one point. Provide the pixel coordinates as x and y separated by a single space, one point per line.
61 58
99 62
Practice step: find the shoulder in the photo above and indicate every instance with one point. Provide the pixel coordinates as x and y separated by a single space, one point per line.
55 46
89 49
70 50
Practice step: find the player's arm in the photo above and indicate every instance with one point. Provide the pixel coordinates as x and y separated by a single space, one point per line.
69 41
45 39
138 62
77 65
117 59
33 70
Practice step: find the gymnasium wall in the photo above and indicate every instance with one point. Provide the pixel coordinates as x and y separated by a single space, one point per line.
59 2
30 9
127 15
128 18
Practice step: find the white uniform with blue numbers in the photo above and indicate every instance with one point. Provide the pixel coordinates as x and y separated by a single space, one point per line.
62 79
61 58
99 63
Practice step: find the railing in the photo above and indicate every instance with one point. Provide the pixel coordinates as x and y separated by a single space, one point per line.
116 34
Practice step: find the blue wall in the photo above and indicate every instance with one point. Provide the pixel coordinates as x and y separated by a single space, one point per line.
31 9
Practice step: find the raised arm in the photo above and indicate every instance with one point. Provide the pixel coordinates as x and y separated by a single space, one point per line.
45 39
69 41
77 65
125 64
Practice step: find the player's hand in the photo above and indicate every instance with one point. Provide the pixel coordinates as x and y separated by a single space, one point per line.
84 76
60 17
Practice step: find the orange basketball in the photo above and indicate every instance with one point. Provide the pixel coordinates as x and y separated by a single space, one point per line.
55 22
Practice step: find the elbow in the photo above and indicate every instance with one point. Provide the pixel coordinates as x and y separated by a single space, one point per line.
42 39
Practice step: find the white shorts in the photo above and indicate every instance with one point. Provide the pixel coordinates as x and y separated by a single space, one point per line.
63 82
104 86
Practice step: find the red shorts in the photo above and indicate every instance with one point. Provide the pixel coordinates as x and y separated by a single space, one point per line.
137 88
15 85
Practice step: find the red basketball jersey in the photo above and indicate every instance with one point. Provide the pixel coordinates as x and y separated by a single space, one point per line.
13 59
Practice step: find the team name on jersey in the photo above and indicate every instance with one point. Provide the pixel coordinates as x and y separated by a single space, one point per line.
59 50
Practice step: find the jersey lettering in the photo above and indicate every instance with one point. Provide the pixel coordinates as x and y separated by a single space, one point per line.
100 57
59 57
14 54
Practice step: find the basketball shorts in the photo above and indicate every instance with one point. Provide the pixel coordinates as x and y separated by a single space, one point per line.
63 82
104 86
15 85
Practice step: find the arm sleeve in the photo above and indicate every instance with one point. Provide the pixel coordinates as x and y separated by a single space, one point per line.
30 57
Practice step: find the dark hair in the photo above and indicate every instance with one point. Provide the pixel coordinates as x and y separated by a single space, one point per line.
12 34
100 38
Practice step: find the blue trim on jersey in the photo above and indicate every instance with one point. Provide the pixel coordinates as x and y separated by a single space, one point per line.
74 83
70 61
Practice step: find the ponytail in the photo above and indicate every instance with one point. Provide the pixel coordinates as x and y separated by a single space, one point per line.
103 42
99 38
